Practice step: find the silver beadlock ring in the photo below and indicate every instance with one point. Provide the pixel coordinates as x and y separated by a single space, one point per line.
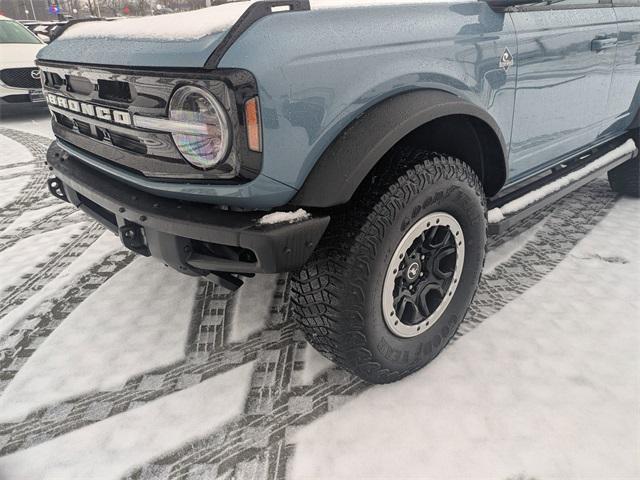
437 220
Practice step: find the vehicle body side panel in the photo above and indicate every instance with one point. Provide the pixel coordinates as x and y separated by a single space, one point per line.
317 71
563 85
624 101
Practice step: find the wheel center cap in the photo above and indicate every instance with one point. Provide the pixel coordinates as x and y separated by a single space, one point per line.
413 271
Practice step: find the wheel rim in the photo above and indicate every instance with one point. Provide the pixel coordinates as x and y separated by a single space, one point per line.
423 275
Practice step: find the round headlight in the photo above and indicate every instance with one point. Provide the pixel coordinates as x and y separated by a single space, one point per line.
206 143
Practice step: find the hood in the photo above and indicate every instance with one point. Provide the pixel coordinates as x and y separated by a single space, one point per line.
18 54
178 40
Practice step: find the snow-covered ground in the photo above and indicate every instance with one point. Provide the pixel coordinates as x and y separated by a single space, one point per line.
38 123
114 366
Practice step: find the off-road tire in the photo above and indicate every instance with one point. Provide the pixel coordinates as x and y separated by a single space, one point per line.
625 178
336 296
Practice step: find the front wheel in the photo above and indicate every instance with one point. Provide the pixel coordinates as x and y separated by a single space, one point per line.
396 271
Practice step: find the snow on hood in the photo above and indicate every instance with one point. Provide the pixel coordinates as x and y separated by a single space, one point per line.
195 24
174 26
178 40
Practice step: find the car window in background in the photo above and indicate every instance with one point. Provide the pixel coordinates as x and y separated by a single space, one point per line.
13 32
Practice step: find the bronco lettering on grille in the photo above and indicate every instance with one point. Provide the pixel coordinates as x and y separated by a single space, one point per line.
101 113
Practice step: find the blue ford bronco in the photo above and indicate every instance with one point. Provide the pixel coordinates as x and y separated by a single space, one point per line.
368 147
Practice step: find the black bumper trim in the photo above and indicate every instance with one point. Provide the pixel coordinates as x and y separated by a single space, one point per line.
170 226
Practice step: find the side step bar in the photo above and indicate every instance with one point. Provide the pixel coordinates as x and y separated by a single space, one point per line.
513 210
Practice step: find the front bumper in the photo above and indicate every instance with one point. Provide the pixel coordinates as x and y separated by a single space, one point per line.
194 238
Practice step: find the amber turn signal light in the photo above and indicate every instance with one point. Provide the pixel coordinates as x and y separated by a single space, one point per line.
254 129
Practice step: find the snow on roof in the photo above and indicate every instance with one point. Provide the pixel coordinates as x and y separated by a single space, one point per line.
174 26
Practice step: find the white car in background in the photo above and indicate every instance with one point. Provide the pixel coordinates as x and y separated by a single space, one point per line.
20 87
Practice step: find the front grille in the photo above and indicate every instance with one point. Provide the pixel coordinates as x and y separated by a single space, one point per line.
128 143
116 140
63 120
115 91
20 78
79 85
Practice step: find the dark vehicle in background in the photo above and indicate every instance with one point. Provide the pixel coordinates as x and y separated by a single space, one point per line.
43 30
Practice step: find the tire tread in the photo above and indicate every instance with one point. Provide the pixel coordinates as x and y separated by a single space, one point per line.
328 291
625 178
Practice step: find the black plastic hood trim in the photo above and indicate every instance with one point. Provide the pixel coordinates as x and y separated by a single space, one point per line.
254 13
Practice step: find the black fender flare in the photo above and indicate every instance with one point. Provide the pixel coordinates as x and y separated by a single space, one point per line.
348 160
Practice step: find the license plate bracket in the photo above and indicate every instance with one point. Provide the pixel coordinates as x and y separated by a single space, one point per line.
36 96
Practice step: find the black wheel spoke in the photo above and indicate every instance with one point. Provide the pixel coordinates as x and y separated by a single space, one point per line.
430 297
432 235
400 306
407 310
446 270
424 306
446 239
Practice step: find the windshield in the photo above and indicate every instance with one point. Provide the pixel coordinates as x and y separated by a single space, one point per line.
13 32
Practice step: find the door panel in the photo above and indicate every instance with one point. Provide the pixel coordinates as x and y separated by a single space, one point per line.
624 99
565 61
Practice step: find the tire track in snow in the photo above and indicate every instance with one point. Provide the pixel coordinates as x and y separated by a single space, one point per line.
11 165
209 324
570 221
24 339
256 444
259 440
48 270
206 358
52 221
11 176
37 188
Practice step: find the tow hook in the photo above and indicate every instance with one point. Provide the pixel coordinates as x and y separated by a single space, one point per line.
56 189
132 236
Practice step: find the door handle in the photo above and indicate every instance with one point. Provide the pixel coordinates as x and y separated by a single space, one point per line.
603 42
